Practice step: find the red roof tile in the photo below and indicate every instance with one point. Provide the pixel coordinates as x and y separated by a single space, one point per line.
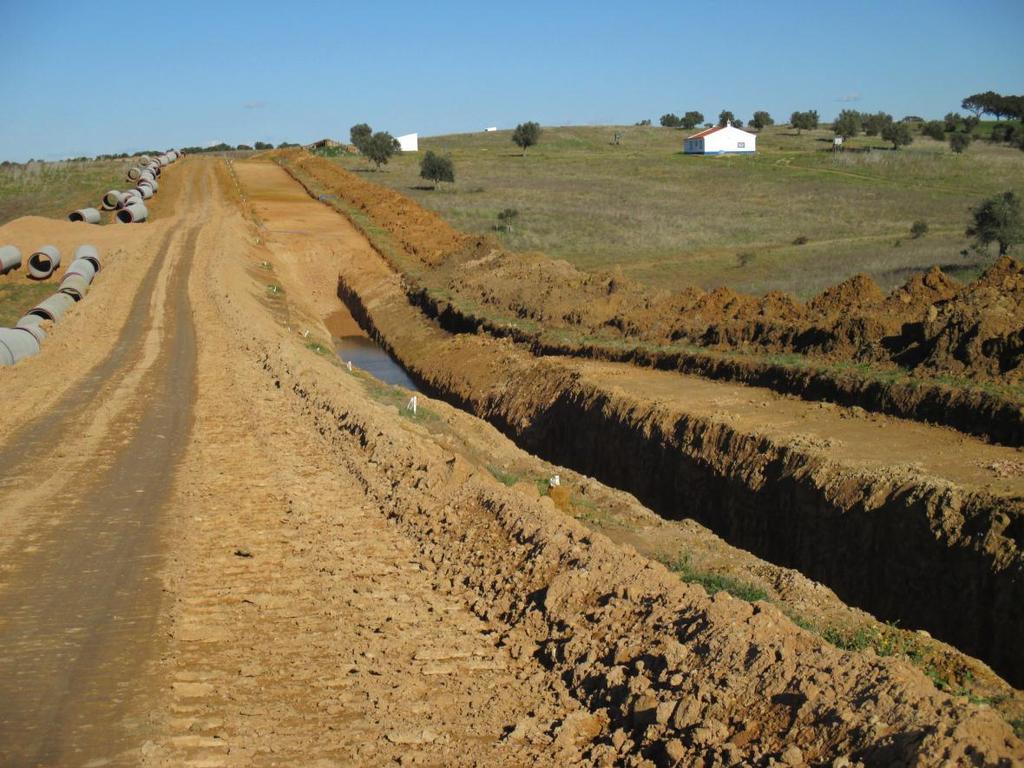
705 132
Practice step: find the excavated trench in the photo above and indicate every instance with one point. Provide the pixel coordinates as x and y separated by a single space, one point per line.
909 549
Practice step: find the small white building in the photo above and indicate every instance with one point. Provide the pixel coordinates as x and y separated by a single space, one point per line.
410 142
721 140
490 129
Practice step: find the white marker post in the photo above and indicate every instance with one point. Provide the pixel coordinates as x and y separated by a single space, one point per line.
412 405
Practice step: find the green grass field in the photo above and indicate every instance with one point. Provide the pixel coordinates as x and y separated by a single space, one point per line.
56 189
671 220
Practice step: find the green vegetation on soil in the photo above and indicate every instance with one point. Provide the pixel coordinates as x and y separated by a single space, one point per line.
56 189
714 582
795 217
18 298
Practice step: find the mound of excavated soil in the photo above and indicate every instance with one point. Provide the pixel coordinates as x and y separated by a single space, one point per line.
931 323
422 233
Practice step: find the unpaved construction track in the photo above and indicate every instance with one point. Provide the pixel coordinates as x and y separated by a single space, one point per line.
244 554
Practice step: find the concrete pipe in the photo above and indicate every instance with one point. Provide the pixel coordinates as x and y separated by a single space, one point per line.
75 286
10 258
89 253
42 263
53 307
129 198
145 190
134 173
32 324
112 199
133 214
16 344
88 215
147 175
81 267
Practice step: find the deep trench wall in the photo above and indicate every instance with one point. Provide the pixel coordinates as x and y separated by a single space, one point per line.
975 412
902 547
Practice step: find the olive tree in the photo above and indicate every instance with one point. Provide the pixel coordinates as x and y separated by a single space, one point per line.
435 168
526 135
997 220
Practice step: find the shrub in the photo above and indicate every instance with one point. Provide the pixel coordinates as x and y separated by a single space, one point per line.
800 240
935 129
380 147
506 216
761 120
802 120
670 121
918 229
691 119
848 123
997 220
958 142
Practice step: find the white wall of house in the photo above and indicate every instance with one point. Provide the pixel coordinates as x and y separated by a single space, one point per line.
728 139
410 142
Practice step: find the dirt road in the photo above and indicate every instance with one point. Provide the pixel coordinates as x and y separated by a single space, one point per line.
226 549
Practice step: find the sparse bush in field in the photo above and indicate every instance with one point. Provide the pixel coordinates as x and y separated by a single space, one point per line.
951 121
692 119
1003 133
997 220
918 229
243 146
800 240
714 582
899 134
958 142
263 145
935 129
506 217
804 120
761 120
526 135
847 124
970 123
435 168
670 121
286 144
745 259
643 123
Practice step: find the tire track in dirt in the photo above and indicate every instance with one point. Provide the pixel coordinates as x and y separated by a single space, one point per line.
79 608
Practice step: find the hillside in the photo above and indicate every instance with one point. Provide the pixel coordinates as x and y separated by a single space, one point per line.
670 220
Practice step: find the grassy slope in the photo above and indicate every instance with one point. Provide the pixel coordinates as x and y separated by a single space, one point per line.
672 220
55 189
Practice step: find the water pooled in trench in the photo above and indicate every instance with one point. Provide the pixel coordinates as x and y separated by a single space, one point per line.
352 344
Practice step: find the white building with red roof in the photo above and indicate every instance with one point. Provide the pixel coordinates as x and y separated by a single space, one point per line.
721 140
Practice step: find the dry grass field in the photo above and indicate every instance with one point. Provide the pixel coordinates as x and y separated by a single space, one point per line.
672 220
54 189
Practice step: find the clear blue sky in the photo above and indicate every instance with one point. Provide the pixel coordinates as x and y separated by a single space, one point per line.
83 78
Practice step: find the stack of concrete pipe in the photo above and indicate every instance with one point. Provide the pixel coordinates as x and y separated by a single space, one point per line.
24 339
128 205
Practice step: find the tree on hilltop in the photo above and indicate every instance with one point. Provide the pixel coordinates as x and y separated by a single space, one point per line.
692 119
670 120
725 117
526 135
761 119
804 120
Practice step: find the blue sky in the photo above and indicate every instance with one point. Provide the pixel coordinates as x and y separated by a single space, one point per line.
79 78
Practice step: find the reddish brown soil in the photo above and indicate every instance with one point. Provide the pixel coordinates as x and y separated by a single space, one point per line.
664 671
